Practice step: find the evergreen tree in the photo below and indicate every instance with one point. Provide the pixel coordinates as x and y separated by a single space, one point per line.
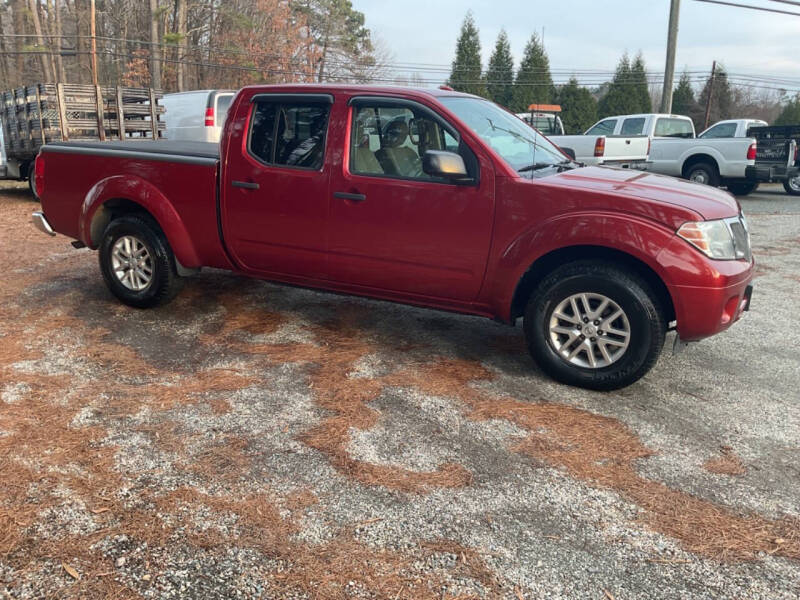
578 107
466 72
500 73
790 115
683 101
618 100
533 84
639 89
721 99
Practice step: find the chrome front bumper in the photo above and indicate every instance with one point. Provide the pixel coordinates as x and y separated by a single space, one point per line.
41 223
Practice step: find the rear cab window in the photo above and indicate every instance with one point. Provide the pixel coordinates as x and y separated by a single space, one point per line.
605 127
632 126
289 133
221 110
677 128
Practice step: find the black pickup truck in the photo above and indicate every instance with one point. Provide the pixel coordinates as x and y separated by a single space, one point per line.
776 156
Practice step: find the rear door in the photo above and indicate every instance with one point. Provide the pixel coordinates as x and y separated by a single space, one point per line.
275 187
395 228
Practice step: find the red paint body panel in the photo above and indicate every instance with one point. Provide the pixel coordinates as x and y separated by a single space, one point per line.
447 246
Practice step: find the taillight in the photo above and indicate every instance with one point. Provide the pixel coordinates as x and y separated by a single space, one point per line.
751 152
600 146
38 175
210 116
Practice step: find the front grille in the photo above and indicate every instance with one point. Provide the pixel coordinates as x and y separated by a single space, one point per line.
741 237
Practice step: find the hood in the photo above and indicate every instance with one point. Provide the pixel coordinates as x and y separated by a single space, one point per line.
705 201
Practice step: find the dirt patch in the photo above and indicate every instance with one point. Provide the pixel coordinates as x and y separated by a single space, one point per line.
725 464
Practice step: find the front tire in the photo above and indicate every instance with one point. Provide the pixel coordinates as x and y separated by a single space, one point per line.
792 186
594 325
704 173
137 262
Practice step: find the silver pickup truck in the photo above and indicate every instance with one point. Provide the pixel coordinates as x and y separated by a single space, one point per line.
716 157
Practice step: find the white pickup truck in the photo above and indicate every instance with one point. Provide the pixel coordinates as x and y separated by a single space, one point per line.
718 156
598 146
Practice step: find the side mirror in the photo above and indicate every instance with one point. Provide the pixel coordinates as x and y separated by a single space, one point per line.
569 152
439 163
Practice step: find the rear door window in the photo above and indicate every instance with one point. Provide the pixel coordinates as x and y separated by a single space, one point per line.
291 135
723 130
678 128
605 127
634 126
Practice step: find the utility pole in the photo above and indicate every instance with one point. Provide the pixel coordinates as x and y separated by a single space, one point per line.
669 70
93 27
710 93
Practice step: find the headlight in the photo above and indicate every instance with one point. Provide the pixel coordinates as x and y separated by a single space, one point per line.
713 238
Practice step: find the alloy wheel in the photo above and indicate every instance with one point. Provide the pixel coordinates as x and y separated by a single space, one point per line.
131 263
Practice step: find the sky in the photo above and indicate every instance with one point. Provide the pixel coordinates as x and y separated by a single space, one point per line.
581 35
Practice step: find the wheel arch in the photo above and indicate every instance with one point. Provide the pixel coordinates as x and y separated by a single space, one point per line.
546 263
694 159
116 196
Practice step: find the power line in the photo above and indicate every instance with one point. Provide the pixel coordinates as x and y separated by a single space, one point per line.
750 6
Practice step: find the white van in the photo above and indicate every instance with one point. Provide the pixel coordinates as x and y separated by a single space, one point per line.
196 116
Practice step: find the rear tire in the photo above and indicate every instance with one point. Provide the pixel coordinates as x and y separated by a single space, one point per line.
553 330
703 172
137 262
792 186
742 188
32 183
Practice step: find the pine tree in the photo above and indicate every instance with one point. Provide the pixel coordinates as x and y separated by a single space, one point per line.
618 99
790 115
578 107
534 84
683 101
500 73
466 72
721 98
639 89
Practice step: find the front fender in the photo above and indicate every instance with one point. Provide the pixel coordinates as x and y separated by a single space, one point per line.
638 237
145 194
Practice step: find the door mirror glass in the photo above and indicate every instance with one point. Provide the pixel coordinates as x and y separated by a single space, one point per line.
449 165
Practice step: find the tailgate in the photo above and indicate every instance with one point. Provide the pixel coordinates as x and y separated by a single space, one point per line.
626 149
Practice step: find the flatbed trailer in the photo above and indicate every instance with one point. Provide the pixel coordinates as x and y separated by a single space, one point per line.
39 114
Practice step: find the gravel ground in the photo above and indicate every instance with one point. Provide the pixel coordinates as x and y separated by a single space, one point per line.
257 441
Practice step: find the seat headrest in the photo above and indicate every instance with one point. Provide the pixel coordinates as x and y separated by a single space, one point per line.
394 133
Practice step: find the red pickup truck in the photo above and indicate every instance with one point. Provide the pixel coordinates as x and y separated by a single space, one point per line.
427 197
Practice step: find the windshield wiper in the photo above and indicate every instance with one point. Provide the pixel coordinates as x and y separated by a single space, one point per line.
565 165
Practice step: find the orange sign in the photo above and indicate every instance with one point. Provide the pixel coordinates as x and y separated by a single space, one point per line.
544 108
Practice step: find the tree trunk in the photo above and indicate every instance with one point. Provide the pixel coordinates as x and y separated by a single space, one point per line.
47 71
182 40
59 44
4 66
19 43
155 47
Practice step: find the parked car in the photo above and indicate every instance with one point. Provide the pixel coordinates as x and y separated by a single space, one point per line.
427 197
196 116
545 118
777 157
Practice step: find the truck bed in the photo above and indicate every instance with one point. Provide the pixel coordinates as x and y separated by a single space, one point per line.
164 148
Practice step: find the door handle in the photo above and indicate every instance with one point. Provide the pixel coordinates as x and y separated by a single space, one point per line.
245 184
348 196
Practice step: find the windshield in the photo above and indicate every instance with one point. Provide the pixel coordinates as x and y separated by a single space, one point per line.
522 147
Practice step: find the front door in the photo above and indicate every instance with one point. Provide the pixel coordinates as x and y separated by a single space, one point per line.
395 228
276 187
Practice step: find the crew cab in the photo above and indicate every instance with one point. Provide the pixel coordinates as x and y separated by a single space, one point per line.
674 150
427 197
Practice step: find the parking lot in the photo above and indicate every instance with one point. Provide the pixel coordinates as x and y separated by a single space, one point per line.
258 441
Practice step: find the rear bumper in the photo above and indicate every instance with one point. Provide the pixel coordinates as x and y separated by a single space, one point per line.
771 172
40 222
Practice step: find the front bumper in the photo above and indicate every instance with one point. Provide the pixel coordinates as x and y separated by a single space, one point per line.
40 222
